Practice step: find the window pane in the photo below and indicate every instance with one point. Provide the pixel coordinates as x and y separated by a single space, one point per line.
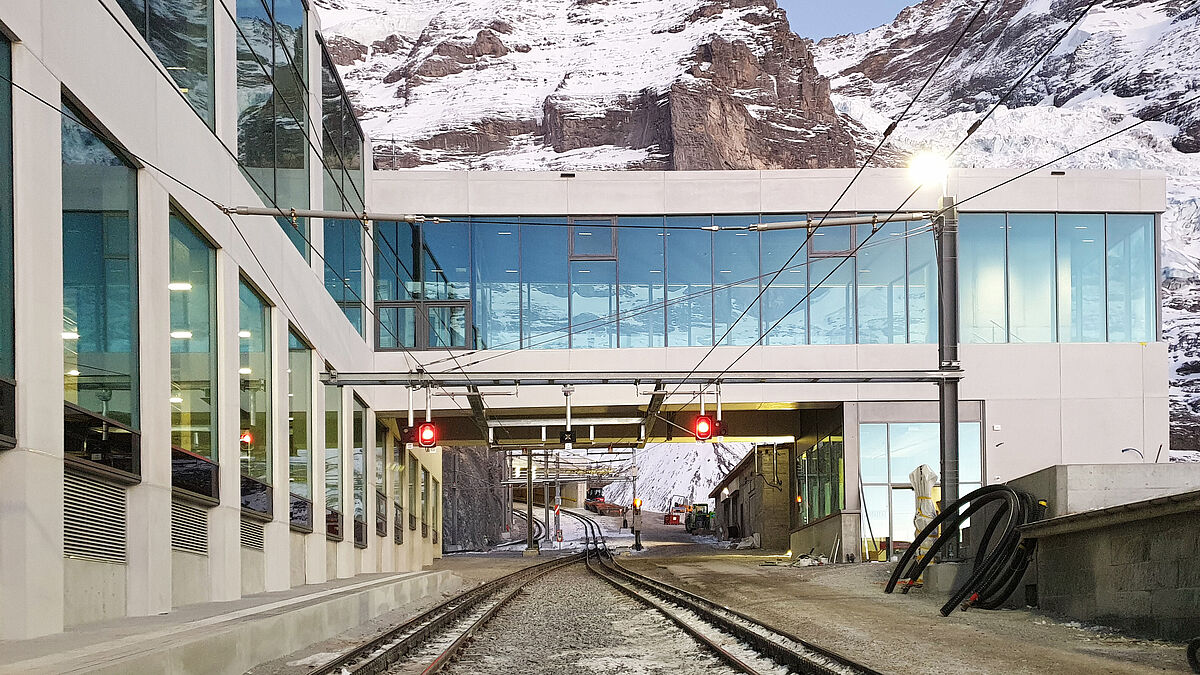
497 305
689 282
7 356
922 284
831 303
254 376
785 309
360 460
1081 311
289 23
100 309
904 509
413 469
872 443
447 326
544 285
299 414
291 154
592 238
256 97
181 35
736 282
1131 279
397 260
981 293
344 267
424 495
641 270
876 524
381 434
912 445
1031 277
882 296
831 239
192 290
446 260
969 455
333 448
593 304
397 327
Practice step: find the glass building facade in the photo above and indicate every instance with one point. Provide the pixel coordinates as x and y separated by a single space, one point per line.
333 461
273 119
300 383
180 33
551 283
254 379
7 299
192 291
359 466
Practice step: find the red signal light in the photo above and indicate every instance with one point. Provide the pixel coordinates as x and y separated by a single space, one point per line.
427 436
703 428
247 438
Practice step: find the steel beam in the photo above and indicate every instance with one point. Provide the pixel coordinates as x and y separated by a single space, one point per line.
455 378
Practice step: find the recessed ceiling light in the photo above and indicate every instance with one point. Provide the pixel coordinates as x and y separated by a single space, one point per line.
181 334
70 335
73 373
175 399
179 286
243 333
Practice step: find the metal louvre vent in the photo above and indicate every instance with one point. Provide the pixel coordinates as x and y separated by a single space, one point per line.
189 528
94 515
252 534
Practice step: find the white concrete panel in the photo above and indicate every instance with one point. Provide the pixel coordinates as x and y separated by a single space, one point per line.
189 578
1153 192
1156 428
443 194
616 192
812 193
1155 369
253 571
712 192
1027 194
517 194
1096 430
1029 437
1096 370
1085 193
92 591
990 372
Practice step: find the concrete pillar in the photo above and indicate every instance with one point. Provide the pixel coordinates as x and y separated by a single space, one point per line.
148 572
276 544
315 571
345 548
31 475
225 520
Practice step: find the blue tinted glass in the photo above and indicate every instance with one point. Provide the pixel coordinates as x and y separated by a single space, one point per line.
970 462
831 239
981 293
447 326
882 296
289 22
593 304
100 306
592 238
333 448
914 444
872 452
254 376
1031 277
359 456
344 267
735 294
831 301
642 273
497 304
1132 299
446 264
785 309
181 34
689 282
193 302
397 327
922 284
544 302
876 526
1081 310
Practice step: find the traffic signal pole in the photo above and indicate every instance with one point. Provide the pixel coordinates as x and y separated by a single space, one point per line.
530 543
948 362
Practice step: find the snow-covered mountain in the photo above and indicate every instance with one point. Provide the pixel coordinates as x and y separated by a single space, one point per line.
690 470
710 84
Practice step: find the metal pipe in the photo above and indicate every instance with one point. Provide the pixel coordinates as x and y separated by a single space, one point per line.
811 224
338 215
947 251
456 378
530 543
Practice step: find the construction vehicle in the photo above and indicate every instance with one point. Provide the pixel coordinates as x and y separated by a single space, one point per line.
596 503
699 519
677 514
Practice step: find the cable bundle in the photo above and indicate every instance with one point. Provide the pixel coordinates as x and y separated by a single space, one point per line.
1001 558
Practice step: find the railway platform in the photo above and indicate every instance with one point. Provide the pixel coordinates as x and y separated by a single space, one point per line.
225 637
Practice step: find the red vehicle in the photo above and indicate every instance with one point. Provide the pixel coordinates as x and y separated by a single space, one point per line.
595 502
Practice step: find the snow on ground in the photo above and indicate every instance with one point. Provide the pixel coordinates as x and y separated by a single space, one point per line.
665 470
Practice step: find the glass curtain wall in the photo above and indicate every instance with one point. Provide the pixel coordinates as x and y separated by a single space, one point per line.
7 298
100 306
414 469
922 283
1132 289
820 479
333 461
1031 277
381 506
1081 302
192 290
641 271
888 453
344 273
982 251
424 502
497 277
544 294
689 282
882 285
785 305
300 397
736 279
180 33
359 467
272 93
254 379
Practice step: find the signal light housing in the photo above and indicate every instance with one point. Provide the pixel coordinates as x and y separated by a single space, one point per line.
703 428
427 435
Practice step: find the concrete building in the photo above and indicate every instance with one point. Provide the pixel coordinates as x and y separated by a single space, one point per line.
167 440
752 500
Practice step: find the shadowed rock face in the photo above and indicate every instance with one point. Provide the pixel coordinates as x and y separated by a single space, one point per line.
741 91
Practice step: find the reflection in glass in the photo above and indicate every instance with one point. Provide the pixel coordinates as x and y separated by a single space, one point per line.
344 259
831 303
447 326
593 304
832 239
180 33
100 308
446 260
497 314
873 452
922 284
192 290
254 378
1081 307
876 525
642 273
545 321
256 97
413 473
1132 299
882 291
397 327
360 460
981 289
735 266
592 238
1031 277
299 413
381 434
785 309
333 448
7 355
424 495
911 446
397 261
689 282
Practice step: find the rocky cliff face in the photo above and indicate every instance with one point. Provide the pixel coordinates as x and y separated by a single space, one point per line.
663 84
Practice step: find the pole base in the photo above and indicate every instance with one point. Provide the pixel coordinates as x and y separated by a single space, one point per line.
531 553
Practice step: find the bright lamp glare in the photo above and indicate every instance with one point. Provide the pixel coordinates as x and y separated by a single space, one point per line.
928 168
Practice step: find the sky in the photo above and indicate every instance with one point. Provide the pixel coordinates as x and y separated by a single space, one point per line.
822 18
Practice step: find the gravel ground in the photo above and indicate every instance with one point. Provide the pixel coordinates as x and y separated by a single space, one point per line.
572 621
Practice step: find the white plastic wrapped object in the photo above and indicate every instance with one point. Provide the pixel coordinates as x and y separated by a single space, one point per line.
923 479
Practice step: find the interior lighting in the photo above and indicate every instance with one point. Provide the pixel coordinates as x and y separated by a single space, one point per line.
243 333
181 334
928 168
244 371
73 373
175 399
70 335
511 271
179 286
504 234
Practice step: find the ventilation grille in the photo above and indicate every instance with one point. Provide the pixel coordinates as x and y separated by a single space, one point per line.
189 528
252 534
93 519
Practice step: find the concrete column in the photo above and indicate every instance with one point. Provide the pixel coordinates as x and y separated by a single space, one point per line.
370 555
345 549
225 520
148 572
315 544
31 475
276 545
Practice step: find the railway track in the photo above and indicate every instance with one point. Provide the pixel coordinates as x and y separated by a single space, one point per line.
744 643
539 529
